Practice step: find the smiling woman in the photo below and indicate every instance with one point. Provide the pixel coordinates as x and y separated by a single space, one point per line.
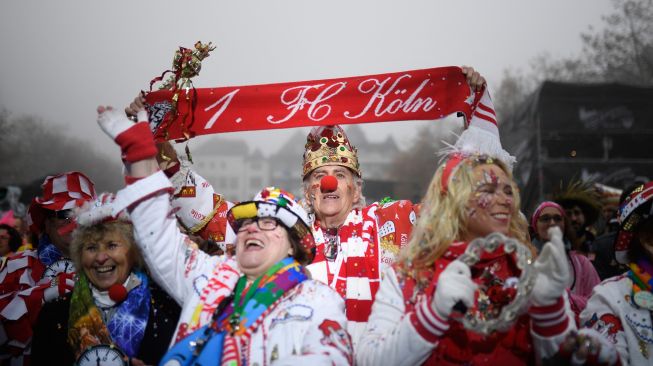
112 287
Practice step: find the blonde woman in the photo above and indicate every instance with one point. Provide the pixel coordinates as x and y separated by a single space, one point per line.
411 323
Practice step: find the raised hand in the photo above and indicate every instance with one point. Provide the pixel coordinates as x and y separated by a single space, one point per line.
135 139
552 271
455 284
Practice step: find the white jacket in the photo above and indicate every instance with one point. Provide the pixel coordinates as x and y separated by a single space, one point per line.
307 325
611 312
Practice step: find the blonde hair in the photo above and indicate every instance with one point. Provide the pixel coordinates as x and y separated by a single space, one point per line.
94 233
443 217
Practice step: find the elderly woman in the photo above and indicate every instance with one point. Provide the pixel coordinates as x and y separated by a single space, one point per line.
620 307
412 322
583 275
114 312
271 313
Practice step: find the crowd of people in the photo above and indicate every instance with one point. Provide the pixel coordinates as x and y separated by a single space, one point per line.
168 271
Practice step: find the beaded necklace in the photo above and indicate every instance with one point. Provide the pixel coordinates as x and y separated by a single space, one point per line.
641 275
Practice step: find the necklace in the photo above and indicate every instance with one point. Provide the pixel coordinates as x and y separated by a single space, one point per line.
332 244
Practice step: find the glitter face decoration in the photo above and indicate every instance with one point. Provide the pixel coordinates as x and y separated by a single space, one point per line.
490 208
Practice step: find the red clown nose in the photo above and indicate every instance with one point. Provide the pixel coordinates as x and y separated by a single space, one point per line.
117 293
328 183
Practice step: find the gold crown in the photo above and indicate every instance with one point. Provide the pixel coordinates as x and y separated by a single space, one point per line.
328 145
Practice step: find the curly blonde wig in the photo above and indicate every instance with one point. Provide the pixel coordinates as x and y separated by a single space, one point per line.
443 218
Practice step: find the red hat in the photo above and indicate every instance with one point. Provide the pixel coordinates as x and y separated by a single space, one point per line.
60 192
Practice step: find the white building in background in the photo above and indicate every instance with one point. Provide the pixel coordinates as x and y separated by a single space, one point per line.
231 168
238 174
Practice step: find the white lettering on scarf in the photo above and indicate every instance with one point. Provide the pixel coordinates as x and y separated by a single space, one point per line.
375 87
317 110
225 100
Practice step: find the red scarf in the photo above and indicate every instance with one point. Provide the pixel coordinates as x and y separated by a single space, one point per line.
427 94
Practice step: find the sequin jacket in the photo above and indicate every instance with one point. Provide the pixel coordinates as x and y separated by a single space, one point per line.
306 326
611 311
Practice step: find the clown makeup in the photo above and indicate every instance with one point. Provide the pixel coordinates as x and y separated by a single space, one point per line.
332 208
490 208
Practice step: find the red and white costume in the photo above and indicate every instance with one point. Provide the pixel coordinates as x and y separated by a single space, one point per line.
370 240
403 329
25 281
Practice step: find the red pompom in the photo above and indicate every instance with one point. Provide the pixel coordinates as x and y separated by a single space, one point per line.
117 293
328 183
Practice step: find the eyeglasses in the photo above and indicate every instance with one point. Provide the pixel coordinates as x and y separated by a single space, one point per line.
62 214
546 218
263 223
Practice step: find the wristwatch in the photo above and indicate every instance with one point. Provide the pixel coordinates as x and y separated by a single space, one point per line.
102 354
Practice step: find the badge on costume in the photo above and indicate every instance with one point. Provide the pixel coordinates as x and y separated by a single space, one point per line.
644 299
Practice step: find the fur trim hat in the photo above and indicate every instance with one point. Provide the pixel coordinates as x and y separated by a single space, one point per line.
582 194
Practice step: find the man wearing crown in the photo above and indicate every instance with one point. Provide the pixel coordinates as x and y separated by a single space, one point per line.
354 241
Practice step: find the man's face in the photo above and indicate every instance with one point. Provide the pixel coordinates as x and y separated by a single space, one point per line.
576 217
53 223
332 208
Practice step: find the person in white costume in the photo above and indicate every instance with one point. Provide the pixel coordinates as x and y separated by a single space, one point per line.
620 307
272 313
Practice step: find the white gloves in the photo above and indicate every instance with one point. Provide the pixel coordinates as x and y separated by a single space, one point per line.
135 139
455 284
114 122
552 271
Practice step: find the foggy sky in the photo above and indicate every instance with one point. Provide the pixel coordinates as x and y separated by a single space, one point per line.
60 59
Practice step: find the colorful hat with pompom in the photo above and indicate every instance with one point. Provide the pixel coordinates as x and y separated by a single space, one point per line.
635 209
279 204
329 145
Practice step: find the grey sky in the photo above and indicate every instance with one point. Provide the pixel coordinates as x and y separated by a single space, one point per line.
60 59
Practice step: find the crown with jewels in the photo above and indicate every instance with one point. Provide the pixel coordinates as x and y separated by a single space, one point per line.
329 145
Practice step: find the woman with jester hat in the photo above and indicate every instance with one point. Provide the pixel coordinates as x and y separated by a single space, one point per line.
472 194
257 309
620 307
